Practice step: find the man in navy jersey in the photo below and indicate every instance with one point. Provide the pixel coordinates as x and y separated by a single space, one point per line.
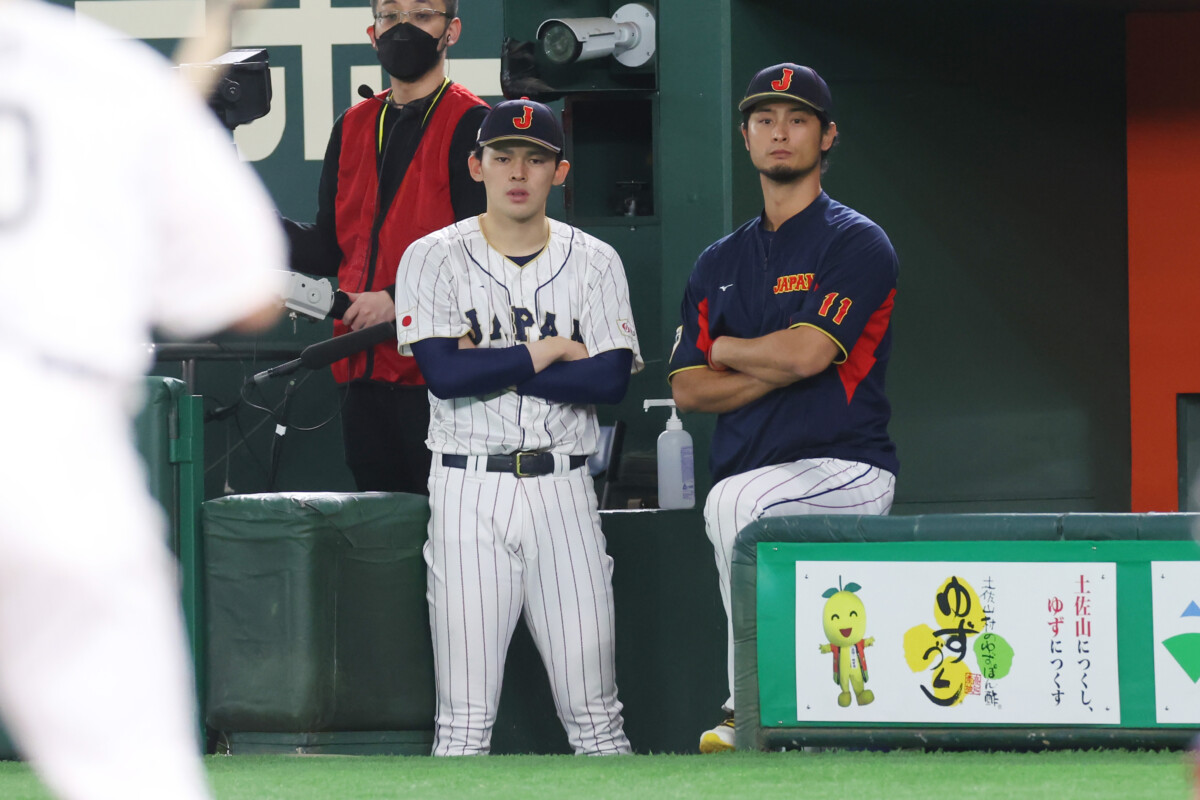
786 337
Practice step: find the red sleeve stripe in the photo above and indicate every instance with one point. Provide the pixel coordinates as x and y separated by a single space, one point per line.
703 341
862 357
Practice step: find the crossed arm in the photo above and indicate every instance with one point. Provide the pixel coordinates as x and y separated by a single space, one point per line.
555 368
743 370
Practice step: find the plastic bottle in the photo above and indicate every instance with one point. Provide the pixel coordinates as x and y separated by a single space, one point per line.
676 474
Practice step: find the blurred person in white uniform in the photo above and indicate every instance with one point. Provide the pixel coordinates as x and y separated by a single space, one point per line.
123 208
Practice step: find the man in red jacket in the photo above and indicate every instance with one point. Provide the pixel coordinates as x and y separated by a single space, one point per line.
395 170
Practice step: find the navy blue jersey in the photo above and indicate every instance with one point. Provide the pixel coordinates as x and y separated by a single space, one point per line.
827 267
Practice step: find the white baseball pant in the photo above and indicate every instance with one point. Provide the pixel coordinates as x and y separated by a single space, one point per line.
502 546
95 677
808 486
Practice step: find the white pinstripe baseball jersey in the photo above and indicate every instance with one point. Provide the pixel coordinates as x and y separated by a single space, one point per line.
453 282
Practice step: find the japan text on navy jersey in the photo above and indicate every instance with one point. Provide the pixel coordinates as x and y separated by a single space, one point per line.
827 267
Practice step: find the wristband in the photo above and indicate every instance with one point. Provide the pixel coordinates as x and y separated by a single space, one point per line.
708 357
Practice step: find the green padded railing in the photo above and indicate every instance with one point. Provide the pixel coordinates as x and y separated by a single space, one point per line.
317 619
773 546
170 436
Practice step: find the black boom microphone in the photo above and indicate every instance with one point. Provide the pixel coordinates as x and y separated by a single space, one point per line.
322 354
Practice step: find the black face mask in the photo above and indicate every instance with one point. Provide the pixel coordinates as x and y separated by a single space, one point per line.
406 51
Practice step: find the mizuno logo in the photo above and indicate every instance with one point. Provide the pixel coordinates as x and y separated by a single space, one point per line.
726 286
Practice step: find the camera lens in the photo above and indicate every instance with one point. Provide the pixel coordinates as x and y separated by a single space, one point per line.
559 43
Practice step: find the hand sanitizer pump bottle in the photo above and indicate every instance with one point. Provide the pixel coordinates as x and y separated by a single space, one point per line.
676 474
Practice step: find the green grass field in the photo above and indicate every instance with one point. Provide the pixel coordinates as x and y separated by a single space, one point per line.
898 775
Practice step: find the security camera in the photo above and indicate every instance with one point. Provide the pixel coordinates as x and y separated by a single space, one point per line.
628 36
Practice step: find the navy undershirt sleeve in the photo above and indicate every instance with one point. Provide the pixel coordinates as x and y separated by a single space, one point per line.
450 372
603 378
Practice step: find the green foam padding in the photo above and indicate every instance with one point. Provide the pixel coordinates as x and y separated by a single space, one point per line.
1141 527
831 529
316 613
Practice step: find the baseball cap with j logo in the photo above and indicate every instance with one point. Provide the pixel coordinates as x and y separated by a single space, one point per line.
789 82
522 120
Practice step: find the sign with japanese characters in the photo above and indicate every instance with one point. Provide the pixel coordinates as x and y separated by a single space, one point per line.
320 47
957 642
1175 588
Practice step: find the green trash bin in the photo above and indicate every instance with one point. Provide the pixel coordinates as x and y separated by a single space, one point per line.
317 621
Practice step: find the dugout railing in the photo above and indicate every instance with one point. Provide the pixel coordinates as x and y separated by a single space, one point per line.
1125 653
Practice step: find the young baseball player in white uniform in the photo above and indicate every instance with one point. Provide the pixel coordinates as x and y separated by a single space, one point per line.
124 214
520 324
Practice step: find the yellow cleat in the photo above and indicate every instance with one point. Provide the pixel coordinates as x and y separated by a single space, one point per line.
719 739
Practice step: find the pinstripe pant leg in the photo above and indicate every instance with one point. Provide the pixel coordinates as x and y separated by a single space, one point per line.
808 486
474 594
569 610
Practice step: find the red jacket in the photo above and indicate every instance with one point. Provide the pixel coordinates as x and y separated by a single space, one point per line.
421 206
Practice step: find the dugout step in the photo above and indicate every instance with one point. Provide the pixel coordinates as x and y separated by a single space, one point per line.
339 743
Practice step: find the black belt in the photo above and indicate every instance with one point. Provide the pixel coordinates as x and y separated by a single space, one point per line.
523 465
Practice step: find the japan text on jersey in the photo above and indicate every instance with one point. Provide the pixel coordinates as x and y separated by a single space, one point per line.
456 284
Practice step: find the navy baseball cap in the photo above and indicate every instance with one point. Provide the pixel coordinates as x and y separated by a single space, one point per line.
789 82
522 120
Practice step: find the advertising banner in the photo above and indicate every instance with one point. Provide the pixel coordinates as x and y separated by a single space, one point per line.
957 642
1176 588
